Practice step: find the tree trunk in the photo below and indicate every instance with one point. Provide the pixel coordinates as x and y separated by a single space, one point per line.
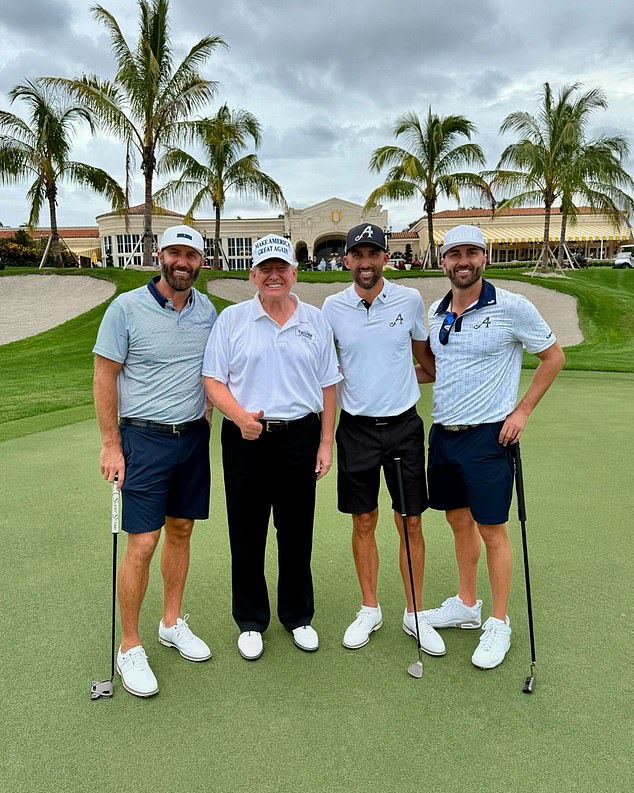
562 238
147 218
544 265
432 245
217 261
55 249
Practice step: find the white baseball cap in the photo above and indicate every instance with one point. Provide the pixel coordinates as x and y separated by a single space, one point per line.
183 235
273 247
463 235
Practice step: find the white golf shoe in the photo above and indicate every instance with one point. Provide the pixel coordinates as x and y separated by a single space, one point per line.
250 645
494 643
136 675
180 637
430 641
454 614
305 637
358 633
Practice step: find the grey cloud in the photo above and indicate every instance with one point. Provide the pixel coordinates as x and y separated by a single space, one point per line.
34 19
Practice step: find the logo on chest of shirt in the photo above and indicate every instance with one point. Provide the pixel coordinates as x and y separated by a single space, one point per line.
486 322
304 334
398 321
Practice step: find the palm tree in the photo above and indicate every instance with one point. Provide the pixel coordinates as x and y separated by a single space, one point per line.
149 94
553 161
595 176
39 149
427 166
223 138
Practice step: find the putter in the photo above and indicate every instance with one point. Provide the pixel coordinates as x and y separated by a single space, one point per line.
529 683
105 688
415 669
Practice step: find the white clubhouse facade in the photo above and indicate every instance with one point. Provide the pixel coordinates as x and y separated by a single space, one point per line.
319 231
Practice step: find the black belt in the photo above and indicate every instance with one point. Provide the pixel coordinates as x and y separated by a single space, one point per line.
381 421
156 426
282 425
457 427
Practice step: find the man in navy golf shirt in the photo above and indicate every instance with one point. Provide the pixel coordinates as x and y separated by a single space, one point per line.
477 333
150 404
377 326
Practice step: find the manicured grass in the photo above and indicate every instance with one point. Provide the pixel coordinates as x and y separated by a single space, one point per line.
336 720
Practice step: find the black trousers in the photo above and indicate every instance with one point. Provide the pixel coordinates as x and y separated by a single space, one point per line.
275 472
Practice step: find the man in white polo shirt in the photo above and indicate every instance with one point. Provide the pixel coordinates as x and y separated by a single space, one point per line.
477 333
377 325
270 367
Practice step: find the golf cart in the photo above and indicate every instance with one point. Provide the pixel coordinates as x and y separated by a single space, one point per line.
624 259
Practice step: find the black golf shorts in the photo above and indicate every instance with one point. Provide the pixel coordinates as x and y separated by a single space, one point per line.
364 446
166 474
471 468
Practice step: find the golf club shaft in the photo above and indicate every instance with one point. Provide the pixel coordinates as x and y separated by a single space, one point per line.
115 534
521 514
401 498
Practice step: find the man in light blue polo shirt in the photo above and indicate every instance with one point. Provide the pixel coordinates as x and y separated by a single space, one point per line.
150 405
477 333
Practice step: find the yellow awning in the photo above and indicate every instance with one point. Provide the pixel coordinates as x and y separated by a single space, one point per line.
534 232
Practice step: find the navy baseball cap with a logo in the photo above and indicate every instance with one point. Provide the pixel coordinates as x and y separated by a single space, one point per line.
366 233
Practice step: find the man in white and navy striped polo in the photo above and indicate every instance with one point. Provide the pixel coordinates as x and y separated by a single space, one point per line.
150 404
477 333
377 326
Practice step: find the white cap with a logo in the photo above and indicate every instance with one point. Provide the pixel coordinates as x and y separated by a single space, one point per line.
183 235
463 235
273 247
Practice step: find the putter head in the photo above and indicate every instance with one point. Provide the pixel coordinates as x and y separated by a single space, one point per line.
529 685
415 669
101 689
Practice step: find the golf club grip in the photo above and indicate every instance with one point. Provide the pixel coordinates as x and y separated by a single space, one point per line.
115 505
519 481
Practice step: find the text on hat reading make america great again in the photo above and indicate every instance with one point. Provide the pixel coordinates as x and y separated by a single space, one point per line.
276 244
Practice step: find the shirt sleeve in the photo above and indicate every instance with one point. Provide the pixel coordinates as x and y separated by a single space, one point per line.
329 373
419 331
113 337
531 328
216 357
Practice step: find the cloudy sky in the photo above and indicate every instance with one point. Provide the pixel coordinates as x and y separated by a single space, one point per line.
327 79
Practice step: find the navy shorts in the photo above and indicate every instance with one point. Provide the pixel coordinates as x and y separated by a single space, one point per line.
166 475
364 446
471 468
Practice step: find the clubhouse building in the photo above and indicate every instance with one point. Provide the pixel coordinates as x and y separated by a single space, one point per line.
319 231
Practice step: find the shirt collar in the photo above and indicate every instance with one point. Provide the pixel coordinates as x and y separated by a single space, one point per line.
382 297
257 309
487 298
160 298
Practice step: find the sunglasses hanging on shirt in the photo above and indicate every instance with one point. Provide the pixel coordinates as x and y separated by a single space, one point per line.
447 325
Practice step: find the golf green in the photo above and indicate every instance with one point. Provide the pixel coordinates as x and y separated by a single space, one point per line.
334 720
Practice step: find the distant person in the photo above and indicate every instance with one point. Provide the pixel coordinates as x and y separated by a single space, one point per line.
270 367
322 265
477 332
377 326
150 405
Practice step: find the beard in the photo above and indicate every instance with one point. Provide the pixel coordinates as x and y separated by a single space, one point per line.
367 284
179 283
466 280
